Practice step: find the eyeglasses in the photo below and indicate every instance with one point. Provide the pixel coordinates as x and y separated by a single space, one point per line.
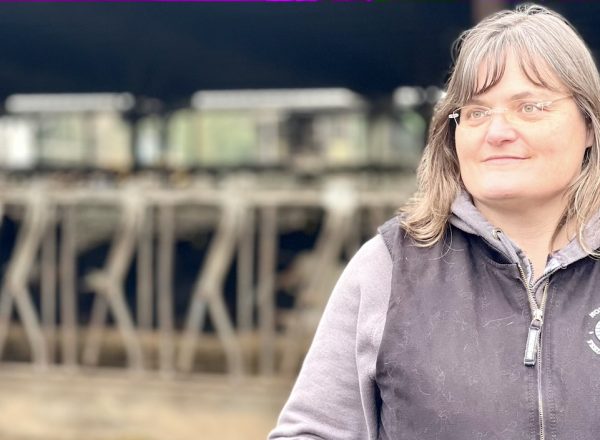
518 111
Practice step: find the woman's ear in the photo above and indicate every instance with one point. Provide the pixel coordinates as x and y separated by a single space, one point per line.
589 140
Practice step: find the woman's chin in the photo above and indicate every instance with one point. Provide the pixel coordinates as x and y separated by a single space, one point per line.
499 194
509 199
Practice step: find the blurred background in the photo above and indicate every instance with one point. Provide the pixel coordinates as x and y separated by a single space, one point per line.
180 187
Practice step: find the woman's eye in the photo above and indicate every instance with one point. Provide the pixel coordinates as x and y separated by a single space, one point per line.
476 114
529 107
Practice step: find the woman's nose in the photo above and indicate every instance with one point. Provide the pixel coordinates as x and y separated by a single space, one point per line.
499 129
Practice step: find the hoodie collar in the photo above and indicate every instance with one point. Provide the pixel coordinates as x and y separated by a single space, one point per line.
468 218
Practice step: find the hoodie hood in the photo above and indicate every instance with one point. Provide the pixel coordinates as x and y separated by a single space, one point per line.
467 217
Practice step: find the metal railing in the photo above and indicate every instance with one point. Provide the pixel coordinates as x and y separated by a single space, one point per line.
244 219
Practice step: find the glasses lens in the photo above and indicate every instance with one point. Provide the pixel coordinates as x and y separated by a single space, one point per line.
474 115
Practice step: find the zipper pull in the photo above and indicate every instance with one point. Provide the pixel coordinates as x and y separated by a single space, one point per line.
533 339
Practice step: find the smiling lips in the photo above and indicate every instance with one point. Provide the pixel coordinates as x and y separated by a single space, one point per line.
500 160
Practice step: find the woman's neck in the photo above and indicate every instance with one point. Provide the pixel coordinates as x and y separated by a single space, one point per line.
532 229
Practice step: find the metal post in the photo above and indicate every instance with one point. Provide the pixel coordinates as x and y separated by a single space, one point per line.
145 292
165 261
48 284
67 277
245 268
266 288
208 295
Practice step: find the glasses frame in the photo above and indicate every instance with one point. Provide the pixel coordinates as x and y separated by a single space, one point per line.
455 115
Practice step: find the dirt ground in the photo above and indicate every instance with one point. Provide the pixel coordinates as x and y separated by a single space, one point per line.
116 405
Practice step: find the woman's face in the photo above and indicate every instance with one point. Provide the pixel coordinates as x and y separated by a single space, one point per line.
525 157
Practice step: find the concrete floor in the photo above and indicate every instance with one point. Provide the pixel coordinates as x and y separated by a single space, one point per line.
115 405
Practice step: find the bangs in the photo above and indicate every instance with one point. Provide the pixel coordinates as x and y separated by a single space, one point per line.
494 71
486 64
538 72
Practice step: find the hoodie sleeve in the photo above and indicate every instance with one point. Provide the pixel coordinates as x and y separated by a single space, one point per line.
334 395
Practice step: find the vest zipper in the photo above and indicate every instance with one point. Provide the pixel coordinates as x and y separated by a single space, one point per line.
533 347
539 388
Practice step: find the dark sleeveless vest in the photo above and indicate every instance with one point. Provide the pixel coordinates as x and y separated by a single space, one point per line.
450 365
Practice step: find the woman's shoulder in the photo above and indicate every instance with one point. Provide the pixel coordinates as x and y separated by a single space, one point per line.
367 277
373 256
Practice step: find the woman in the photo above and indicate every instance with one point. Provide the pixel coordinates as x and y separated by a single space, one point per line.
476 313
